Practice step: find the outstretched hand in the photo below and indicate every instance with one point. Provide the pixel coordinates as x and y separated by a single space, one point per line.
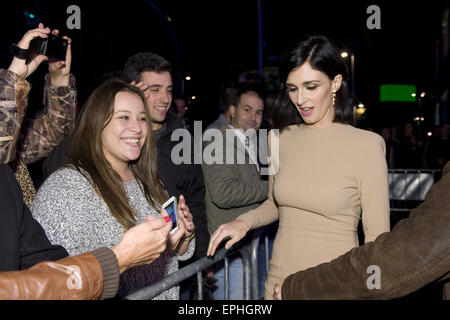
236 230
143 243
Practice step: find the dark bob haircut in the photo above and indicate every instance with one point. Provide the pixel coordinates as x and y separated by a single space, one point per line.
323 56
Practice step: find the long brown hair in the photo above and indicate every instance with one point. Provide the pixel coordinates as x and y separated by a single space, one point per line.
88 158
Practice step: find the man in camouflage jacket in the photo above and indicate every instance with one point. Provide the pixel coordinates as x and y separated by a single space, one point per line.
48 129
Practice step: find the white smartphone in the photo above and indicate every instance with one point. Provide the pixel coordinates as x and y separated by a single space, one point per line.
171 208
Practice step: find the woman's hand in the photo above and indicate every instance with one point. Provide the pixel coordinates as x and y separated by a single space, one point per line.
180 239
277 290
184 218
236 230
60 70
174 239
185 214
18 65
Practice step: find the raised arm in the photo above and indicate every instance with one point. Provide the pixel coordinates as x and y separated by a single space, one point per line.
58 117
14 90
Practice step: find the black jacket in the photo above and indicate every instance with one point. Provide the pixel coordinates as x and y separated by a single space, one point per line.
23 242
185 179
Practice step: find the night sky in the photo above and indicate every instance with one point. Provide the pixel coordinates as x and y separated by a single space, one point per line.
215 41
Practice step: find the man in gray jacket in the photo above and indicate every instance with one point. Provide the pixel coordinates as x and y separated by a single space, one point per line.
232 179
414 254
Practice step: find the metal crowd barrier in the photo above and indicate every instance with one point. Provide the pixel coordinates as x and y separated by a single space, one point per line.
249 254
408 187
404 185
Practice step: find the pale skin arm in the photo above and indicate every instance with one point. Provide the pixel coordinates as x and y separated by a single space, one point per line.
188 221
143 243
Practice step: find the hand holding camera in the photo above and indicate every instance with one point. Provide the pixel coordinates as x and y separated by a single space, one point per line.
40 45
59 55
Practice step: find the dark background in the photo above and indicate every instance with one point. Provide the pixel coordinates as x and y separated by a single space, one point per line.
215 41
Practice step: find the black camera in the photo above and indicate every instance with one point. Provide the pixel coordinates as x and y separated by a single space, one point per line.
53 47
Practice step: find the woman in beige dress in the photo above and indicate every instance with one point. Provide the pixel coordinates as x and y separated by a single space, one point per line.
329 174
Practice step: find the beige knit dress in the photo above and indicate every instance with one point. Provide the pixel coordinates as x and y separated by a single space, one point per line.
326 181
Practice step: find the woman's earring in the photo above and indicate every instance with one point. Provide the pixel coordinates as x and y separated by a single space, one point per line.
334 97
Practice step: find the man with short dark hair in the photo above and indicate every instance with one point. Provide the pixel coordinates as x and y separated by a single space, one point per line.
154 71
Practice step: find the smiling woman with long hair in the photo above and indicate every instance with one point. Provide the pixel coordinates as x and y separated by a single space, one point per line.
88 154
110 185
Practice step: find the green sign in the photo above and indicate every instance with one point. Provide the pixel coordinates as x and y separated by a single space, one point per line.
397 92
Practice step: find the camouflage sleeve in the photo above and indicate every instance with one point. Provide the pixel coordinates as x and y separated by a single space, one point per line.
14 92
50 127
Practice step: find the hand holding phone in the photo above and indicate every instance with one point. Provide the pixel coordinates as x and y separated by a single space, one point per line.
171 208
185 214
